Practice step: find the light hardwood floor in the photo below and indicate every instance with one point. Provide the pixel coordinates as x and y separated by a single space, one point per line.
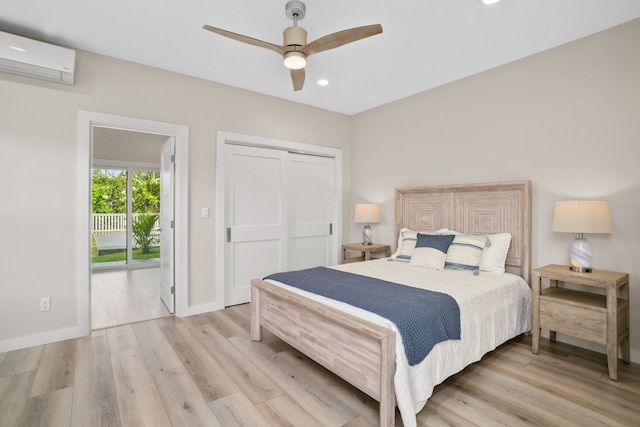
204 370
119 297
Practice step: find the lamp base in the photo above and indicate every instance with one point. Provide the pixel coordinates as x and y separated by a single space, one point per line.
367 235
581 269
581 255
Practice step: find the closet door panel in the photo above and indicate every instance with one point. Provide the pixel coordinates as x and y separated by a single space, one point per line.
255 219
310 210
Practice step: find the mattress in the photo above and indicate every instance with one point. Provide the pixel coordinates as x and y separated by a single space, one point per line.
493 309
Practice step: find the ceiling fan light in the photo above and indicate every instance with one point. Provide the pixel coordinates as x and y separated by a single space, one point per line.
295 60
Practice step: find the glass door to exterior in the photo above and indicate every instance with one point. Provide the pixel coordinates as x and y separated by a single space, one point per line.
125 217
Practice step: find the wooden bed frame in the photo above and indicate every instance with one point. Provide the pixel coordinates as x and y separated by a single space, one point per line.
363 353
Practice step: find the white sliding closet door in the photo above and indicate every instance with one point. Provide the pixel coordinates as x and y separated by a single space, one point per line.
310 195
256 224
279 215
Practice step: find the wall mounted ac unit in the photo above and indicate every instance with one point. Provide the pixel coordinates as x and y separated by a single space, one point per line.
31 58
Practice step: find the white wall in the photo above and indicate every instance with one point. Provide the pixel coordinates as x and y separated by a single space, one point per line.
38 137
567 119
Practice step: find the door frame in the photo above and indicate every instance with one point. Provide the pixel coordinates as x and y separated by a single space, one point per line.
228 138
87 120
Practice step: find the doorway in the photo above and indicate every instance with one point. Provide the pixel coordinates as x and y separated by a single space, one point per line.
89 123
125 225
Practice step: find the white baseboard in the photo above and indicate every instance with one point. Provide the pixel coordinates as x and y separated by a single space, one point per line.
77 332
201 308
40 339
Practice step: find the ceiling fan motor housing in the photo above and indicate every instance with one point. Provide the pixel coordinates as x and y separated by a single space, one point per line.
294 36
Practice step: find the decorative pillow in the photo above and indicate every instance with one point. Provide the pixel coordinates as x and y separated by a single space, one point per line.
406 244
495 256
431 251
465 252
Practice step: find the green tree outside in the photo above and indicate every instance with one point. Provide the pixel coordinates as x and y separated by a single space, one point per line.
109 191
146 192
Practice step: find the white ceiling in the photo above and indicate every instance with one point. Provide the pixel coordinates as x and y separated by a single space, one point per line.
425 43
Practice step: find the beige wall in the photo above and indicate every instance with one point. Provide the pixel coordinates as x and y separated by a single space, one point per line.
38 137
124 145
567 119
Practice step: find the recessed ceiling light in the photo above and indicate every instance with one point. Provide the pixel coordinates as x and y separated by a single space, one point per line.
323 82
490 1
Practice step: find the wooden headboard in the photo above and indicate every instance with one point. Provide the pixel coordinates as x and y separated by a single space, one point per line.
487 208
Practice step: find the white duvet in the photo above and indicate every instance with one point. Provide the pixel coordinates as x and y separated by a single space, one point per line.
493 309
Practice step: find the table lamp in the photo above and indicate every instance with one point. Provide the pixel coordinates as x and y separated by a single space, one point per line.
581 217
369 214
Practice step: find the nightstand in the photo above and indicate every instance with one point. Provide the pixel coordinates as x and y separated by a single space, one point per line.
366 251
603 319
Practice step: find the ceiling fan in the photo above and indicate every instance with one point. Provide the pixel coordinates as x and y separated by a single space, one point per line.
295 48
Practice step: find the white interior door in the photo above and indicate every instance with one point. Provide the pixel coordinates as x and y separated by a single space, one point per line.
310 211
167 178
255 218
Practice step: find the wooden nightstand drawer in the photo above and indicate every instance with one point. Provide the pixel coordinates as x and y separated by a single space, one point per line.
583 322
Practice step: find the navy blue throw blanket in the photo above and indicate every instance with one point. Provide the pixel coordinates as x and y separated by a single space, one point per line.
424 318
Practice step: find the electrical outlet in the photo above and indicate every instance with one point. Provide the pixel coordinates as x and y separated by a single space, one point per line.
45 304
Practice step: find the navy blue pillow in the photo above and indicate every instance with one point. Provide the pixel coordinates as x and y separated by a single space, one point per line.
440 242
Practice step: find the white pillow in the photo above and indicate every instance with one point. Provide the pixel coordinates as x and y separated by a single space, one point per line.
406 244
466 251
447 231
494 256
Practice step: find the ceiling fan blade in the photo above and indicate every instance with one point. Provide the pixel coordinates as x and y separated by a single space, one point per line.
297 77
341 38
245 39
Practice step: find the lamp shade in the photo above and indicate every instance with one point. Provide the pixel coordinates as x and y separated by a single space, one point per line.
582 217
367 212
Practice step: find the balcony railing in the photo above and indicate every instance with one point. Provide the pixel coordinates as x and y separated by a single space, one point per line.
115 223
